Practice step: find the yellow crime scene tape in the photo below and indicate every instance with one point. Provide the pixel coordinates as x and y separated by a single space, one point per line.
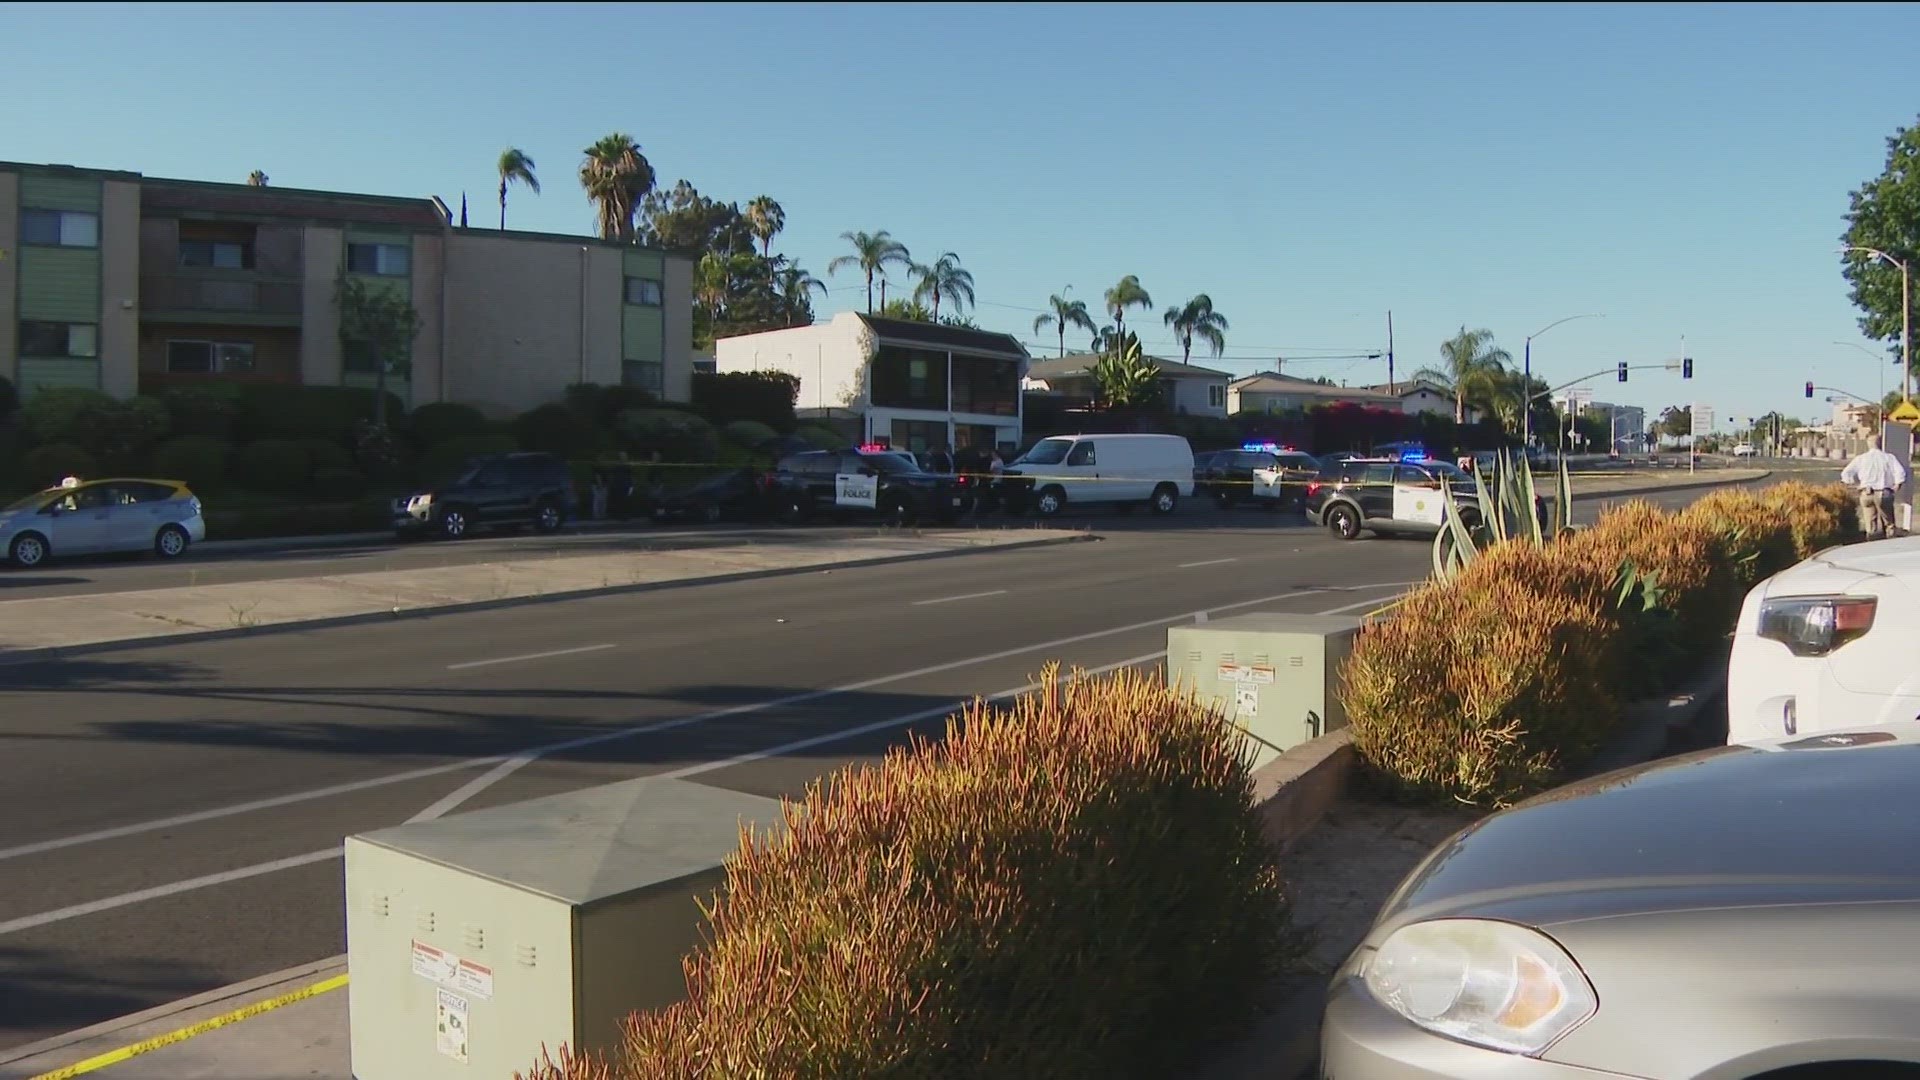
115 1057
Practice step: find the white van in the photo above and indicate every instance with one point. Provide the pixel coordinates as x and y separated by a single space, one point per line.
1121 470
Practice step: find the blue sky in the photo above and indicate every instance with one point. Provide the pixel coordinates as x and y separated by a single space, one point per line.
1682 170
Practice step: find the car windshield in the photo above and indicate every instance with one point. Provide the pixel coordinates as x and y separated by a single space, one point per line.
1450 471
889 464
31 502
1046 452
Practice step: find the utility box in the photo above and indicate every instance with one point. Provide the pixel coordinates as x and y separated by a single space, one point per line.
476 939
1275 675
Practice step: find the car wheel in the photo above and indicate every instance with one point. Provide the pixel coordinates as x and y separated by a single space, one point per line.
170 542
453 522
547 517
28 550
1343 522
1165 499
1050 502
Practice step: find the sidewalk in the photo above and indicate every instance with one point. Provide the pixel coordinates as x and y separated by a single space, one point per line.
37 626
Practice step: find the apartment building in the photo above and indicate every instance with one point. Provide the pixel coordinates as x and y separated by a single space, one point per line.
130 284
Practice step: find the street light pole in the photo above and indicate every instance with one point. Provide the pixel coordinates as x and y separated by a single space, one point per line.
1526 367
1880 363
1906 319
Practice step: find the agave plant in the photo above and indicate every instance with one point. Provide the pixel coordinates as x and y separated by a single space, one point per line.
1509 510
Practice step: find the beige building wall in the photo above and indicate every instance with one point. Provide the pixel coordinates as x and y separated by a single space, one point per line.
429 281
120 288
9 270
526 318
323 255
677 296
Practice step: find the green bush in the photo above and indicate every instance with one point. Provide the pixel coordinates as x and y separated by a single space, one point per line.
763 396
432 425
200 463
674 435
9 398
601 406
820 437
280 411
205 412
442 461
106 428
300 519
559 430
749 433
47 465
337 485
322 454
1074 886
274 465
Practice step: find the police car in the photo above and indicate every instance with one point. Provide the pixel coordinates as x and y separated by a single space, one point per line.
1265 474
1389 496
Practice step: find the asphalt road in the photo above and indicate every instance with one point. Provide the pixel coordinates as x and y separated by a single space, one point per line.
134 871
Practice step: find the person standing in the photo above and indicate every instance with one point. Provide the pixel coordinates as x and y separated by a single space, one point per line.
1876 474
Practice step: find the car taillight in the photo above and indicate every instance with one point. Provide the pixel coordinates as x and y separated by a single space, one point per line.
1816 625
1313 488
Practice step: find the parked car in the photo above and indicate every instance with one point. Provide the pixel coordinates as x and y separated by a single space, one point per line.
1739 913
1112 470
1745 450
734 494
1388 497
859 483
1267 475
490 492
100 517
1829 643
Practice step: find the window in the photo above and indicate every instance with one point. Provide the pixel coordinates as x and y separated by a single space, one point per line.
384 260
209 357
1376 474
60 228
645 375
216 254
909 379
990 387
134 491
643 291
1082 454
1216 396
59 339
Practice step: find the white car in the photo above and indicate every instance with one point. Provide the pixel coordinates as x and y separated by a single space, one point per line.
101 517
1744 450
1829 644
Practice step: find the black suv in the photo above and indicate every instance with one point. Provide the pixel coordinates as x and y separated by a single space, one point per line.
848 482
1389 497
501 490
1227 477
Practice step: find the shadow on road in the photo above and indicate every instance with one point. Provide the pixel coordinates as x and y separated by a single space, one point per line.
51 990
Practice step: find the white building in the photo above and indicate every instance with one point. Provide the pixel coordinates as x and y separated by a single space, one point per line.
1189 389
1421 396
912 385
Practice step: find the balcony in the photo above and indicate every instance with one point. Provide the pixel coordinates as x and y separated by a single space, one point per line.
233 298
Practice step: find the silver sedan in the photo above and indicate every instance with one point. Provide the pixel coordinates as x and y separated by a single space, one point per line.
1743 912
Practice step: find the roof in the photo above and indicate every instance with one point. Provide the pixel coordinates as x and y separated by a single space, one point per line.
1403 387
1272 382
935 335
162 194
1076 365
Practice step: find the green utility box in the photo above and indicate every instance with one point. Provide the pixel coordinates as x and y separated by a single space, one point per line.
1275 675
476 939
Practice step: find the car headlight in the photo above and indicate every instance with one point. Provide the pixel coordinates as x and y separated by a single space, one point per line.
1816 625
419 502
1492 984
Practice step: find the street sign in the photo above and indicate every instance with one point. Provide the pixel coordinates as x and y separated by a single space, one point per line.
1702 420
1906 412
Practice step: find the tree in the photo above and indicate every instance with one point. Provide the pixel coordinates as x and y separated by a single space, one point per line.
1196 318
942 278
1885 214
256 178
1127 379
1473 368
765 218
1065 313
514 168
1127 293
689 224
1676 422
872 254
616 177
796 288
377 321
907 308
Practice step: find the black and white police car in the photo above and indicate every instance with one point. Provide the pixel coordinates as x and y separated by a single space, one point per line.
1389 496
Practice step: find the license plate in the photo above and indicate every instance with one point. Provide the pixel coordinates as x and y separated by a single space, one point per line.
956 502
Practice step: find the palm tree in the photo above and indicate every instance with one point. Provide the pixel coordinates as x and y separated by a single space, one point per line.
942 278
872 254
1128 293
515 167
1472 368
1197 319
256 178
1065 313
616 177
712 280
796 288
765 219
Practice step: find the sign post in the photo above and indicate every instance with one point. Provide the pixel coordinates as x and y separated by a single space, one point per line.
1702 425
1896 434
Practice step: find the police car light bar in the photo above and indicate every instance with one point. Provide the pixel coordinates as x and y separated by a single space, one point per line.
1269 447
874 448
1414 453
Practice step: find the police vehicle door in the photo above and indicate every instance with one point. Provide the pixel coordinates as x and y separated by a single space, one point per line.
1266 474
1417 496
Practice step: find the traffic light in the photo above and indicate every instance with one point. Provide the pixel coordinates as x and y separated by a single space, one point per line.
1622 369
1686 367
1809 389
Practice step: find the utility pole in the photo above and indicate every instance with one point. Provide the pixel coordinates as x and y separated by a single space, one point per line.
1392 387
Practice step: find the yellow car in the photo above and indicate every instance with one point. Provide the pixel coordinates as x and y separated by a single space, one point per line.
96 517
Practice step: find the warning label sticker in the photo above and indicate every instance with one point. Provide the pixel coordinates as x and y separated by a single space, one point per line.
433 965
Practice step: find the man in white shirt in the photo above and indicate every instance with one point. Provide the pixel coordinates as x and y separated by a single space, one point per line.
1876 474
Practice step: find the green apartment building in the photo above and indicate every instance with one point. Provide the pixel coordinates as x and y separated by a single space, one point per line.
128 284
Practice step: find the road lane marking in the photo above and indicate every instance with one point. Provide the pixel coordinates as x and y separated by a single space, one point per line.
1205 562
528 656
524 757
962 596
109 903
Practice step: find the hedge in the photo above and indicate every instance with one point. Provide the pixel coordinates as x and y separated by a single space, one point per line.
675 435
205 412
47 465
281 411
1076 885
442 461
305 519
274 465
431 425
9 397
200 463
765 397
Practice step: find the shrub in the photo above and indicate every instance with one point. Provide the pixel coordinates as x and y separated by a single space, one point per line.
280 411
1754 540
557 429
1683 556
322 454
432 425
601 406
45 466
442 461
820 437
337 485
1816 517
205 412
749 433
675 435
1076 885
9 397
274 465
763 396
302 519
200 463
1483 688
90 419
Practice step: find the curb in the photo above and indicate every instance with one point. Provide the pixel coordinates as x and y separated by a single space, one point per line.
112 1034
58 652
1295 790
